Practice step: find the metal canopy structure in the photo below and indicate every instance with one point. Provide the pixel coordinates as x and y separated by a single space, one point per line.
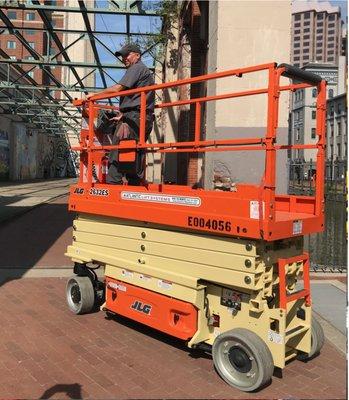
45 104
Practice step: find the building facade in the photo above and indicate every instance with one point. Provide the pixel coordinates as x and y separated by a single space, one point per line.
337 137
212 37
303 114
316 33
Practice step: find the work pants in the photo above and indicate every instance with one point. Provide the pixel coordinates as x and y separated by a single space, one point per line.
134 172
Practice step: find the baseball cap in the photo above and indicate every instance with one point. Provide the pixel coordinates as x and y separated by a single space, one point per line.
128 48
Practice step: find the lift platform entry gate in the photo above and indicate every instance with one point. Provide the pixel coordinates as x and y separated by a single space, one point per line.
216 269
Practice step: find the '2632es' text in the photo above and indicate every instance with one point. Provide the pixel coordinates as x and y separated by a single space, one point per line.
212 224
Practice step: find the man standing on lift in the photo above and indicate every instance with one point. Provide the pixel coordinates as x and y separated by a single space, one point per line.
137 75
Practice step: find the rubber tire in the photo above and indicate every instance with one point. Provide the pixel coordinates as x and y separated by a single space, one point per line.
87 295
317 341
255 346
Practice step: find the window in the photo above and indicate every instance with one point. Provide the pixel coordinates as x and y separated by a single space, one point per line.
313 115
297 25
12 15
314 92
11 44
339 128
295 58
296 38
306 30
320 16
306 23
339 108
330 52
318 51
313 133
330 32
339 154
29 32
330 59
296 45
331 110
297 17
13 57
305 37
297 32
330 45
319 30
319 24
305 44
330 96
296 51
305 50
297 134
30 16
331 130
31 44
318 58
330 39
332 17
307 15
319 39
331 25
31 74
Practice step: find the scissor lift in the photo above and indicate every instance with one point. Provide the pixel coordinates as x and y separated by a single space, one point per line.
215 269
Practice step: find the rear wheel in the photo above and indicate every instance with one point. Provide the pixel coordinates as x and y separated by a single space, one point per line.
80 294
317 341
242 359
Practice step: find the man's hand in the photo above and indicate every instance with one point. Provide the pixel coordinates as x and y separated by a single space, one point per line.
117 118
88 97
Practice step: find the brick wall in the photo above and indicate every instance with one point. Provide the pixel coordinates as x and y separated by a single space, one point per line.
193 56
24 21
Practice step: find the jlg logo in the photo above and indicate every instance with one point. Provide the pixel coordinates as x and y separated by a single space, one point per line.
139 306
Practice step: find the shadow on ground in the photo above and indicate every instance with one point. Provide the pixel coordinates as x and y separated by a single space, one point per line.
73 391
36 238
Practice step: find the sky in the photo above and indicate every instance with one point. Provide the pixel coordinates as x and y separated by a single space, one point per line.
117 23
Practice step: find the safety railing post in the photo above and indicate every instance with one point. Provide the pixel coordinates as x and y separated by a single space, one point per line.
90 142
142 118
270 156
197 123
320 157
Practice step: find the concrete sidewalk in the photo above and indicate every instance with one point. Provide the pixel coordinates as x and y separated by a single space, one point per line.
17 198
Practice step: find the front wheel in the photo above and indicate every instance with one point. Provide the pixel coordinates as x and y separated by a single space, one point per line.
242 359
80 294
317 341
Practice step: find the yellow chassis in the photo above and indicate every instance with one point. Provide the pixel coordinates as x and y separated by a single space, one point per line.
204 269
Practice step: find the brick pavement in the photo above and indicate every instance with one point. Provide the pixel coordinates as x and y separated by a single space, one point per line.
47 352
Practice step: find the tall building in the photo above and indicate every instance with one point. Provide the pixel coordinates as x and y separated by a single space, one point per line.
30 26
316 33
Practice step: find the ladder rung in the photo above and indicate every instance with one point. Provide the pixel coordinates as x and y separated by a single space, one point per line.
295 332
290 356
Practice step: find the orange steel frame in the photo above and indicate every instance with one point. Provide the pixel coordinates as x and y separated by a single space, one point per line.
225 213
